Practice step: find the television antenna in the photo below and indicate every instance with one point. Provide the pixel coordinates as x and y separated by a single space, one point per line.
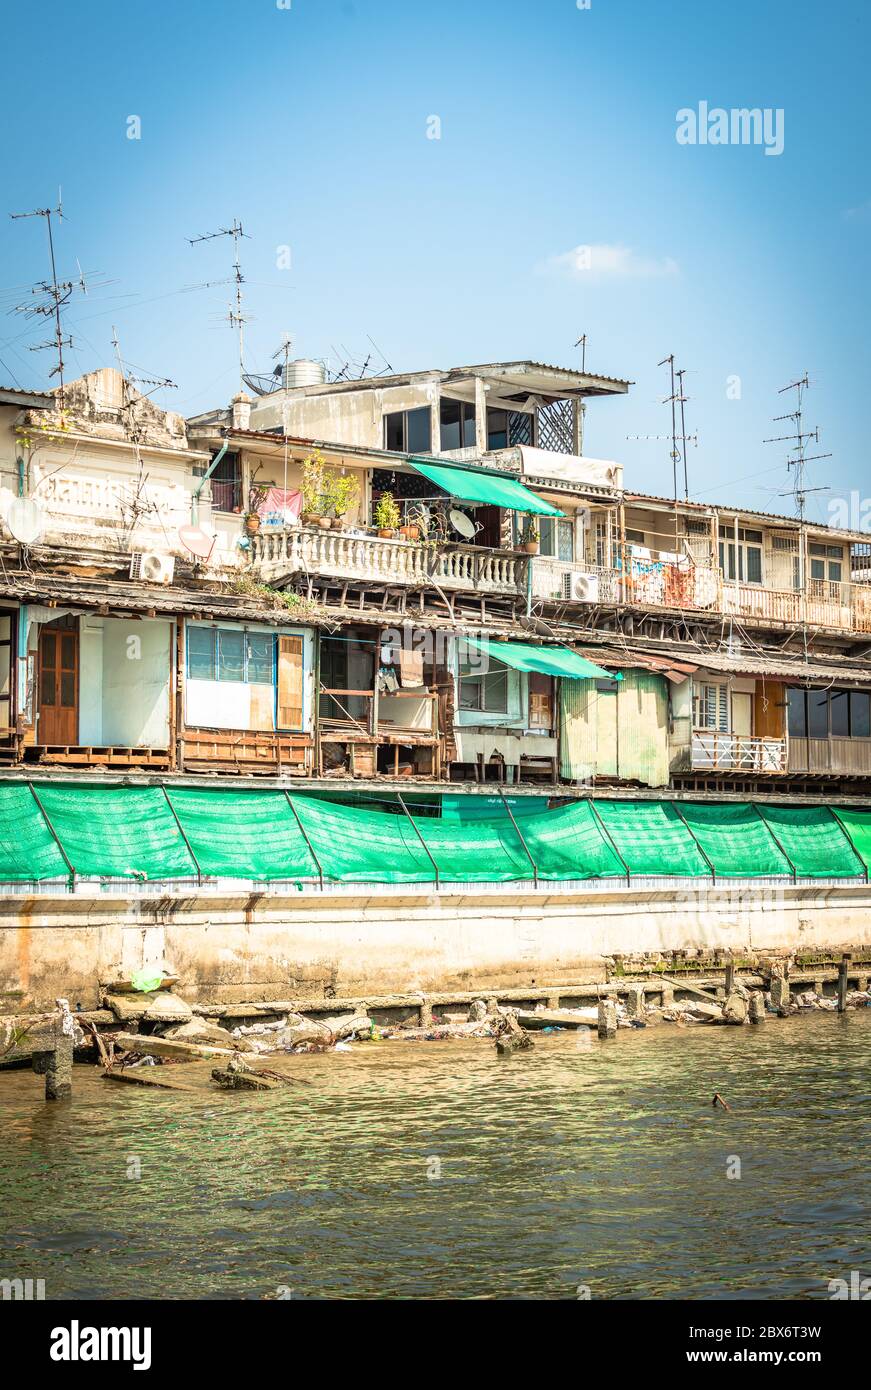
235 317
54 293
675 398
582 344
797 459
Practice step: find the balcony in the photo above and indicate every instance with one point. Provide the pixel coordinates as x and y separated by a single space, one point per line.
285 553
712 751
843 757
702 589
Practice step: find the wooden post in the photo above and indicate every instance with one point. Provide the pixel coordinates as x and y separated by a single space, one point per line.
730 977
842 983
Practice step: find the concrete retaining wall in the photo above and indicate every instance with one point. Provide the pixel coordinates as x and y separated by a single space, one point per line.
243 946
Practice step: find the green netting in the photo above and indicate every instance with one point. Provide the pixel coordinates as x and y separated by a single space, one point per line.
735 839
652 839
857 824
27 846
254 834
117 832
814 841
565 843
242 834
356 845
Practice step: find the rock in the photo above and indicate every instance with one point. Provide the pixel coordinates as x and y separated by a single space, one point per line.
757 1007
477 1011
201 1030
244 1080
512 1038
167 1008
735 1007
606 1022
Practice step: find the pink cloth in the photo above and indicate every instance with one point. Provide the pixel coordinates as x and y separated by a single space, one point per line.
277 505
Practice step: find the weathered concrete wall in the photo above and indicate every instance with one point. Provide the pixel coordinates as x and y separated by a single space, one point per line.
244 946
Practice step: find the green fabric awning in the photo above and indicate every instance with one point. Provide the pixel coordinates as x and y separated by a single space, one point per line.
470 485
548 661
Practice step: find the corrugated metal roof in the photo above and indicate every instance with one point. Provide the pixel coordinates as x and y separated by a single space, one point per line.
736 664
709 507
14 395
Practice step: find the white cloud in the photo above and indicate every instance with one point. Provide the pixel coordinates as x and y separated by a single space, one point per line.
600 261
862 213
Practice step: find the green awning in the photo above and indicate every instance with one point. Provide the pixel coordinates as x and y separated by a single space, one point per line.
548 661
470 485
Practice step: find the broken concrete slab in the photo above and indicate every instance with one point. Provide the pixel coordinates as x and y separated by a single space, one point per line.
146 1076
168 1047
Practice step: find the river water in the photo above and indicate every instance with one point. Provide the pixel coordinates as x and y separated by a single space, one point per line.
437 1170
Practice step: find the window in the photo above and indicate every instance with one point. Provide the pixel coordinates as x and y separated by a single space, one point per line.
229 654
635 537
557 538
797 713
485 690
226 484
860 714
457 424
261 651
744 561
408 431
821 713
711 707
508 427
201 653
826 562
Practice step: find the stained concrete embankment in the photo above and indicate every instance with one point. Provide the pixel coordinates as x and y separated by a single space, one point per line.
226 946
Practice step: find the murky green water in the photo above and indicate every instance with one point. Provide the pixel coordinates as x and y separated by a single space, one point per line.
597 1164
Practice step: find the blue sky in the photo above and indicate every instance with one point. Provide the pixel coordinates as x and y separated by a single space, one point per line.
557 131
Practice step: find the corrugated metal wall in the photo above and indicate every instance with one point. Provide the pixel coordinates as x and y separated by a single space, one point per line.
615 734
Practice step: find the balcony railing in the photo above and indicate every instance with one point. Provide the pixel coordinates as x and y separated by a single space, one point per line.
342 555
712 751
702 588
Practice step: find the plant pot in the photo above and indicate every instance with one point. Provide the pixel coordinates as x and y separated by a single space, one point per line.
530 547
410 532
337 523
386 535
252 524
324 522
309 518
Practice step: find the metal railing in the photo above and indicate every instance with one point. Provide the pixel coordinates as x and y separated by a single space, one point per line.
713 751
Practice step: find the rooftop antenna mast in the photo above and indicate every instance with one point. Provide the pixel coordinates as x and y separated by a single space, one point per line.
56 294
236 317
675 397
582 344
798 460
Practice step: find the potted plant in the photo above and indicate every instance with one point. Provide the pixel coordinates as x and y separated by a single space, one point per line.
252 523
342 491
313 483
416 523
387 516
531 538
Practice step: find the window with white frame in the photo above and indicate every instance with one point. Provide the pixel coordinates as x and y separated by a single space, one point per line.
230 654
741 560
556 538
711 707
826 562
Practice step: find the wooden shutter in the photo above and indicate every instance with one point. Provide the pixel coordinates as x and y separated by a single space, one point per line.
290 682
540 701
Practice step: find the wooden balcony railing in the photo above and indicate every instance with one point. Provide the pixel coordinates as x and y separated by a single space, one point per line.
712 751
341 555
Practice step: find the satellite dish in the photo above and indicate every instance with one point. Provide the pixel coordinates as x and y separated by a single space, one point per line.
195 540
463 523
25 519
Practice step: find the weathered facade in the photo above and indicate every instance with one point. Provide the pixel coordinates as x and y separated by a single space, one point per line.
290 586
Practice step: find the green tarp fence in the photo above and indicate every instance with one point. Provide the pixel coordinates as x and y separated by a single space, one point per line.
149 833
651 839
736 840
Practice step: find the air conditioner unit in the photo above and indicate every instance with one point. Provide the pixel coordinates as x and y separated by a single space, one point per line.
151 567
581 588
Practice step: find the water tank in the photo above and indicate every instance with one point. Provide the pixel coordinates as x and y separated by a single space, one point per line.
303 372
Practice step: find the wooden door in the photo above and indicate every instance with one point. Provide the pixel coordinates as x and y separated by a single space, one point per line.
290 688
58 684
